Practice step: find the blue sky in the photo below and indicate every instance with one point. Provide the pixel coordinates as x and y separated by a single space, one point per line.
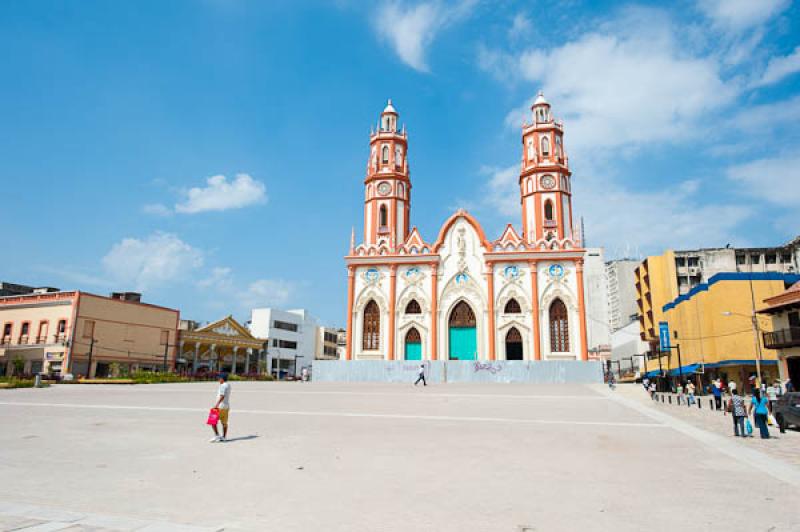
211 154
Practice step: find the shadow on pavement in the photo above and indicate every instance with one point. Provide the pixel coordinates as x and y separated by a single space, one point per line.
242 438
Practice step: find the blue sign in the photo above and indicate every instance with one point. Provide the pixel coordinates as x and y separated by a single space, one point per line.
663 335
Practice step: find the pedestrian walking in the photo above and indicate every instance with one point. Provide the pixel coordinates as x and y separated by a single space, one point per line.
223 404
653 391
731 386
789 386
421 375
716 390
758 407
690 390
738 412
679 391
646 384
304 374
772 396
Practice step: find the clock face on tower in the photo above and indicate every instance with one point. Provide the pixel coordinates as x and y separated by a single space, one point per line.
548 182
384 188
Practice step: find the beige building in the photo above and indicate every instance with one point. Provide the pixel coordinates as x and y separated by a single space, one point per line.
784 311
83 334
326 344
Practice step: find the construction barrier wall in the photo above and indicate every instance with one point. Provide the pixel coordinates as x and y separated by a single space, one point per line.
439 371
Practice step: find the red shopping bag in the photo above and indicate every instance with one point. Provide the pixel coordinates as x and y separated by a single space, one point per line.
213 416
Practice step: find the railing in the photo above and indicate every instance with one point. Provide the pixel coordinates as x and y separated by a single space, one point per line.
550 223
23 340
782 338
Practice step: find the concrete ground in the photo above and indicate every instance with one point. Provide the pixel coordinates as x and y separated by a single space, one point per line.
375 457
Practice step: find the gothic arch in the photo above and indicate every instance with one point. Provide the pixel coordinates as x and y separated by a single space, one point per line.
487 246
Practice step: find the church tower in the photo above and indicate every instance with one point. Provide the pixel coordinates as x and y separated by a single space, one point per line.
544 179
387 186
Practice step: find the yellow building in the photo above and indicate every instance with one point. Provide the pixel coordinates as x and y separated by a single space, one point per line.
655 287
718 330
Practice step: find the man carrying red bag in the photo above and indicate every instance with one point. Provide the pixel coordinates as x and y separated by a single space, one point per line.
223 407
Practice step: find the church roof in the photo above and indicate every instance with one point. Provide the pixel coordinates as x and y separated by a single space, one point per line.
389 108
540 100
509 238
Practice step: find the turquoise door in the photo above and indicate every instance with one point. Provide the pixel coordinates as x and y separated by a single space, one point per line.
463 343
413 351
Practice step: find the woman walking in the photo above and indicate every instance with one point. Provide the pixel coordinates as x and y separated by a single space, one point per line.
758 406
738 412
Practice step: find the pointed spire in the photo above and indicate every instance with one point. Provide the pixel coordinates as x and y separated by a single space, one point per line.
352 239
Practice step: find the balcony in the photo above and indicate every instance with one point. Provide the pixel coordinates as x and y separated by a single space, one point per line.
782 338
550 224
383 230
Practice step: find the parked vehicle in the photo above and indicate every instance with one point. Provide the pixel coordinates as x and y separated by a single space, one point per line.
787 410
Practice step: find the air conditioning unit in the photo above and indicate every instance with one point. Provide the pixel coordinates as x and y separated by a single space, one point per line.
694 270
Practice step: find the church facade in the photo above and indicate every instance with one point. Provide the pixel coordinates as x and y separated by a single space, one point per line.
464 296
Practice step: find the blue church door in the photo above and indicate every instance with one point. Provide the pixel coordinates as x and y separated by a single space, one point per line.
462 334
413 345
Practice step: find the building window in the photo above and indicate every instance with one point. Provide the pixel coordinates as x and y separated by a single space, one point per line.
531 152
548 210
383 218
512 307
398 156
413 307
558 146
413 336
164 338
285 325
24 332
286 344
62 327
372 327
559 327
755 259
772 258
41 338
88 329
385 156
545 146
7 333
741 259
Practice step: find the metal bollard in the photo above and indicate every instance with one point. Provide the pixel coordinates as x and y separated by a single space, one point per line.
670 399
699 403
37 382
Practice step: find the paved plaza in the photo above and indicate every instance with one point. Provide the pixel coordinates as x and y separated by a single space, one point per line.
376 457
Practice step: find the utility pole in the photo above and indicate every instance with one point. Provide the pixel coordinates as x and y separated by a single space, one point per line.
91 349
166 348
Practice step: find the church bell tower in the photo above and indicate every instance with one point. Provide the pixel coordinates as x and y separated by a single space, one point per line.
387 185
545 179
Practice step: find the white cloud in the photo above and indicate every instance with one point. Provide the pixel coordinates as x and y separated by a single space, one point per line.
628 84
780 67
411 29
156 209
156 259
267 293
222 195
776 179
520 27
621 219
741 14
219 278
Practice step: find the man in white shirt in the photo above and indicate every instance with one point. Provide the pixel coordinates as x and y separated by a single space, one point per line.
223 404
421 375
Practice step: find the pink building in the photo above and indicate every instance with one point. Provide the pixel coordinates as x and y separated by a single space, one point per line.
82 333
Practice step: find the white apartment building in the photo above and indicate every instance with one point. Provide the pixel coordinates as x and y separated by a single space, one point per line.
596 292
621 279
292 336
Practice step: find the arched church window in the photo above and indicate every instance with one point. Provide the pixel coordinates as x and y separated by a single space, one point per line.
558 146
530 186
462 316
385 156
512 307
401 190
413 337
559 327
545 146
413 307
372 326
531 150
383 217
548 210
